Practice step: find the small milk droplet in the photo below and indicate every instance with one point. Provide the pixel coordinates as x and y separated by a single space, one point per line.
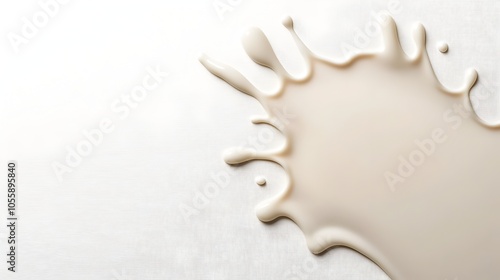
442 47
259 180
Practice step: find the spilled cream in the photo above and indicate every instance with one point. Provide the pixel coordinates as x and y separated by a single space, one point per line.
353 122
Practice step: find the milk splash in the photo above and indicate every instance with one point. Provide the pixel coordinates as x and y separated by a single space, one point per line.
354 119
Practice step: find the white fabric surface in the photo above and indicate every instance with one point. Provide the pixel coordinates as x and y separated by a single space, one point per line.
116 215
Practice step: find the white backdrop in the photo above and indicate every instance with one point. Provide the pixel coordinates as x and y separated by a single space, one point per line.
117 214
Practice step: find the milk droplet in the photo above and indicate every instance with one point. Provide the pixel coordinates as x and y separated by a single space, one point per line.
260 180
442 47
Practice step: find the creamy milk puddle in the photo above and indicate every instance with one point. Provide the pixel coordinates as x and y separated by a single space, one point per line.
382 158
